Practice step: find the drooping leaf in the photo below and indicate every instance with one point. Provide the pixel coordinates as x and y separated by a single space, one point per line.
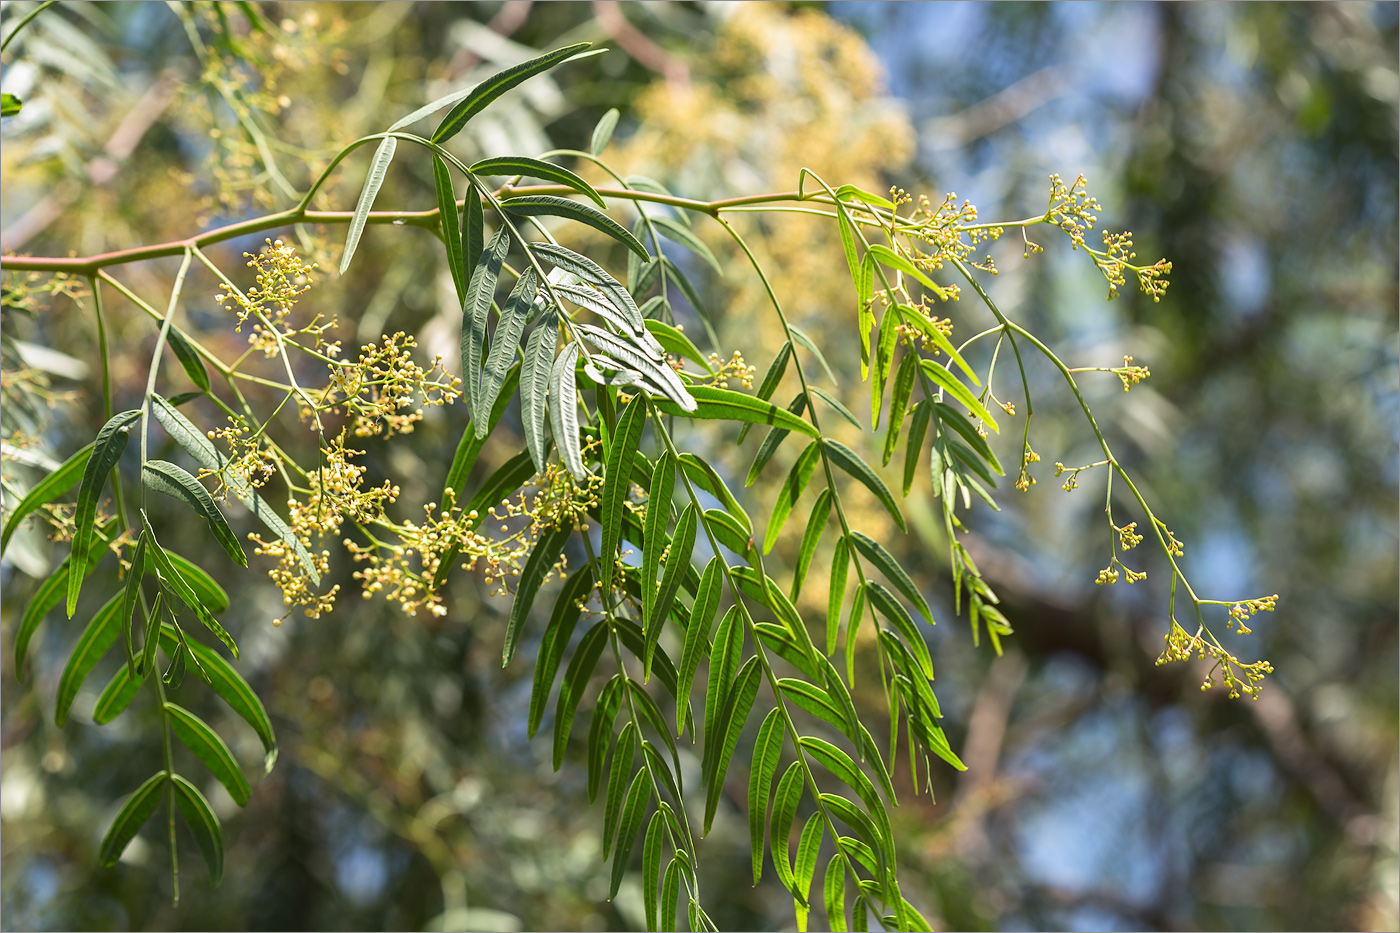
950 417
594 274
889 607
739 703
728 532
915 444
172 480
531 205
834 893
154 616
848 772
791 491
537 168
899 403
562 620
890 258
208 834
473 231
541 562
808 344
707 478
836 591
727 405
954 387
697 635
618 784
807 848
651 864
92 644
877 554
617 482
767 750
231 687
670 891
196 735
600 731
10 105
676 343
724 663
493 87
581 667
775 437
106 450
179 585
116 696
509 327
663 482
188 357
534 386
674 230
378 168
769 384
884 359
816 525
451 225
475 313
838 406
563 411
785 801
661 378
131 592
46 490
849 461
602 133
632 812
137 809
677 563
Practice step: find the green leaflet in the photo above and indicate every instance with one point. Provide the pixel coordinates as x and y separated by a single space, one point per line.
617 784
658 377
137 809
807 848
697 635
563 411
10 105
637 798
208 747
876 553
174 481
704 476
929 329
594 274
728 532
855 818
774 438
865 288
46 490
834 893
725 405
209 592
816 525
954 387
811 347
899 403
541 561
153 632
785 801
952 418
677 563
840 764
663 481
106 450
836 592
724 662
231 687
536 168
534 386
208 834
915 443
116 696
378 168
475 312
179 585
769 384
602 133
581 667
849 461
600 731
473 230
451 225
509 327
674 230
767 750
556 639
670 891
837 405
481 96
617 483
651 863
731 723
889 607
688 289
97 637
131 592
791 491
889 257
50 594
535 204
676 343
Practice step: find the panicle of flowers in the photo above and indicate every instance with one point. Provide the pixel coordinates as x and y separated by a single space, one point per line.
1236 676
1025 481
282 277
1241 611
733 368
1130 374
248 457
1072 209
918 334
386 390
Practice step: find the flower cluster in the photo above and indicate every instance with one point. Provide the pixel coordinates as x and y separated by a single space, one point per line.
1025 481
733 368
282 277
1234 674
1242 610
385 389
1130 374
249 458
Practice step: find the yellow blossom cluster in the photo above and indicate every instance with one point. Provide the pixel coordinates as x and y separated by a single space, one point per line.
385 389
281 277
1237 677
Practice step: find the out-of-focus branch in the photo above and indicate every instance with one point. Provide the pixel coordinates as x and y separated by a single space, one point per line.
101 169
635 43
1001 109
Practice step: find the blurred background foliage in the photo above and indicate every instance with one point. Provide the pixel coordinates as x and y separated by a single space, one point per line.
1254 145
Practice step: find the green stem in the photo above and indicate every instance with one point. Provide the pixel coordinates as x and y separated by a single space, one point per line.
25 22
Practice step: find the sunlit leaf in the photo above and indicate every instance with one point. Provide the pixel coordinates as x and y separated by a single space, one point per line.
137 809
